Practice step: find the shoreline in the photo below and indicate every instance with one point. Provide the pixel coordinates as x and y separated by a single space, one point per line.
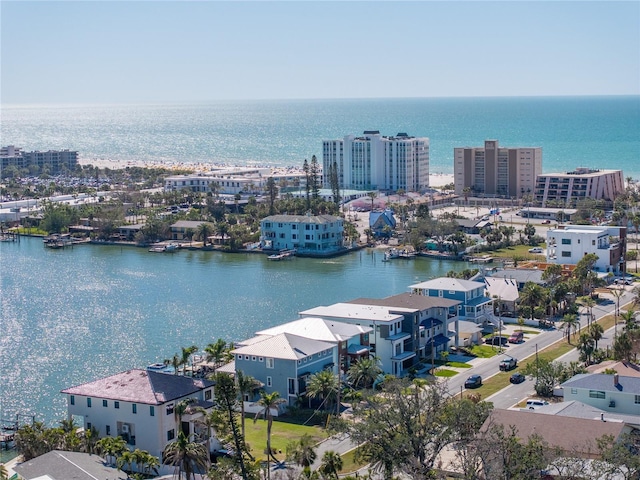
437 179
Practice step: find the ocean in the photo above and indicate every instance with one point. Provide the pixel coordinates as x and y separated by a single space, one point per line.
595 132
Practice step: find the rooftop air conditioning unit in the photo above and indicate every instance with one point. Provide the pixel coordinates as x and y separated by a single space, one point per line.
125 428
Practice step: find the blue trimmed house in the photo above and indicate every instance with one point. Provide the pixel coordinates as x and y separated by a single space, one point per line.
378 221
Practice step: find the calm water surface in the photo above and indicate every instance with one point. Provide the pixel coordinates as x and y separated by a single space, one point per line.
70 316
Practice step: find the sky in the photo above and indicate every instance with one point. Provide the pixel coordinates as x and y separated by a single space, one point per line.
82 52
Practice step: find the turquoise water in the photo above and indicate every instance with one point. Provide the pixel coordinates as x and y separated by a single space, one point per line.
73 315
599 132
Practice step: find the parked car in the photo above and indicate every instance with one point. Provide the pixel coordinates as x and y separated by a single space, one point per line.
517 378
535 250
508 364
474 381
546 222
496 340
516 337
533 404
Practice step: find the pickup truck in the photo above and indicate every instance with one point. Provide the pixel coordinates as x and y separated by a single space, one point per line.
508 364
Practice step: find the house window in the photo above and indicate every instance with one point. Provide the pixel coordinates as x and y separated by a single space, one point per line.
152 411
170 409
269 383
566 254
72 399
105 403
89 426
566 241
270 362
134 408
440 294
596 394
207 394
116 404
574 391
171 434
108 429
637 399
89 402
260 359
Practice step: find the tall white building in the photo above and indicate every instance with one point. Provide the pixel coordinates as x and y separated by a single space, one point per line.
375 162
494 170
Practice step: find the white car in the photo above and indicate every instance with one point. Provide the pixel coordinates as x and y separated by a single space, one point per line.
533 404
535 250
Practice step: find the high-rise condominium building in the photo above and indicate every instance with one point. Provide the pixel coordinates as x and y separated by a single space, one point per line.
496 171
375 162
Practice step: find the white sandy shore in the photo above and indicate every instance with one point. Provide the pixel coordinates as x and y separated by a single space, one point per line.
435 179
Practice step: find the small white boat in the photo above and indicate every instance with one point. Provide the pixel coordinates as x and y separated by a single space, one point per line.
282 255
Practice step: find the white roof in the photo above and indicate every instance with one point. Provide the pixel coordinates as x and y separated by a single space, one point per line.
285 346
449 283
505 288
353 311
318 329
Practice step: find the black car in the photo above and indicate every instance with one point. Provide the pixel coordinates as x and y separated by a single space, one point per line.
517 378
474 381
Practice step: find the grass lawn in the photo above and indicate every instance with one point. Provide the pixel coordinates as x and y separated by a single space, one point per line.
483 351
281 434
443 372
521 251
457 364
349 463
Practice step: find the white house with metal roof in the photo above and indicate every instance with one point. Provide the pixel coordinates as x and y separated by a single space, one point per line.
611 393
315 234
139 406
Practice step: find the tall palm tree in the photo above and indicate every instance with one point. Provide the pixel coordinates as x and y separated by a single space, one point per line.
372 196
180 409
596 332
331 464
570 322
586 347
185 356
111 447
204 232
588 302
174 362
268 402
531 296
364 372
188 457
246 385
323 385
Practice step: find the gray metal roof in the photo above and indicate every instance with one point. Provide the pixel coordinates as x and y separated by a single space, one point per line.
600 381
408 301
59 465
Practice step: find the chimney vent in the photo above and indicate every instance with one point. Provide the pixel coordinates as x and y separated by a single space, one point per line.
615 379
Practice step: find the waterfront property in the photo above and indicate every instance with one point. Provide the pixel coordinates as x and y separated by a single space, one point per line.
382 223
474 305
283 362
53 160
375 162
610 393
180 228
141 406
568 244
307 234
496 171
577 185
62 465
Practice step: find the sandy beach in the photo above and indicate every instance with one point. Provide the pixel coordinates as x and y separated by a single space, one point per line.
435 179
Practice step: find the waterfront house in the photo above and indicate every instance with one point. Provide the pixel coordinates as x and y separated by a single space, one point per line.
430 322
140 406
568 244
611 393
404 329
180 228
382 223
284 362
307 234
474 305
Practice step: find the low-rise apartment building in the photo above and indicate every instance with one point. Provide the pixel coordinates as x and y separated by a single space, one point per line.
566 188
312 234
568 244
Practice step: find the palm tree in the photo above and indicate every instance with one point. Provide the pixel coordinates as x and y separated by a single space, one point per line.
364 372
125 459
246 385
331 464
629 317
204 232
185 356
302 451
188 457
215 351
174 362
267 402
588 302
585 346
570 322
372 196
323 385
596 331
111 447
531 296
180 409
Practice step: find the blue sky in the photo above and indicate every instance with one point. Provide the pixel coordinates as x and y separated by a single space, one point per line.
169 51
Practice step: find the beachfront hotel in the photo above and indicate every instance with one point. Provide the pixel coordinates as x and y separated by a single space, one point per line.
496 171
372 161
566 188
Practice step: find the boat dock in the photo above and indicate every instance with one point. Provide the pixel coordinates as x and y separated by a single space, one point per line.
61 240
